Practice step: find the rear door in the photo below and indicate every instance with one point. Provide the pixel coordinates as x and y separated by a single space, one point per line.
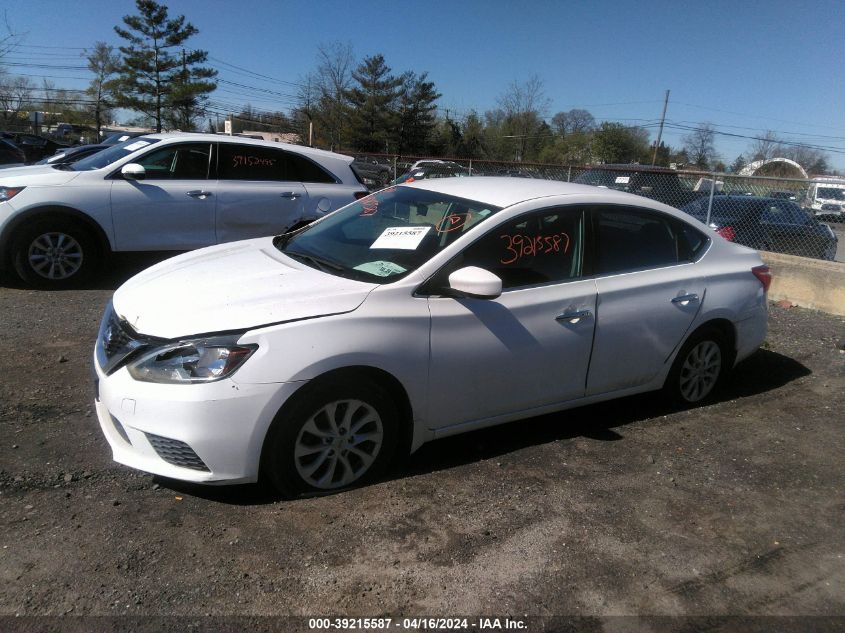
257 194
649 292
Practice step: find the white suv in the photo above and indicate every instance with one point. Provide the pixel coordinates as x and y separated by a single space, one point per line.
162 192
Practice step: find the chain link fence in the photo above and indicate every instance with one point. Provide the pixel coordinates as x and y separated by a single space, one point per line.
783 215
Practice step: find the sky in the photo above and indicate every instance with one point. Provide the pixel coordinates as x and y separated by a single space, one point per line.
745 67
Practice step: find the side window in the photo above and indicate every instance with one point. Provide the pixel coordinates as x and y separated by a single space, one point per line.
633 239
250 162
303 170
254 162
187 161
691 241
539 248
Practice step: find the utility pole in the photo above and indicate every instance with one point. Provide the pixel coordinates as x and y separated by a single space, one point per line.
660 133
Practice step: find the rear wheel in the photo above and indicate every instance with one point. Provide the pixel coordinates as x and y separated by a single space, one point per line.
336 435
699 368
54 253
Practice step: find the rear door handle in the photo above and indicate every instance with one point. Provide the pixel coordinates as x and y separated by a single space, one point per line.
685 300
199 193
573 316
290 195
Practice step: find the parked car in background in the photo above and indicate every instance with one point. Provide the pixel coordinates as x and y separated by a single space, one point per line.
768 224
162 192
35 147
120 137
373 174
422 311
657 183
826 197
10 154
440 169
71 154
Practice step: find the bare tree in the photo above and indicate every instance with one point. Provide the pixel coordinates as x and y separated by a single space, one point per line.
524 105
333 80
15 95
700 145
103 63
766 147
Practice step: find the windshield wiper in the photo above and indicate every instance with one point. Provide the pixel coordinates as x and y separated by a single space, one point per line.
318 262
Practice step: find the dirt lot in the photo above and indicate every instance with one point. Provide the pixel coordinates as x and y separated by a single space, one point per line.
623 508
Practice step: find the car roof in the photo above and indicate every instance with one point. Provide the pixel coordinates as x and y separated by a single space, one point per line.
502 191
241 140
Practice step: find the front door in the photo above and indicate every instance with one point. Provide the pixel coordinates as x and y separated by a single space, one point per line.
528 348
172 207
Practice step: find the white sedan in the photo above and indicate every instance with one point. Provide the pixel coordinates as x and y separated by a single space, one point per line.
418 312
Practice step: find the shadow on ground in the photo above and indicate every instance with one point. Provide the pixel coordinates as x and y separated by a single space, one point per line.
762 372
118 268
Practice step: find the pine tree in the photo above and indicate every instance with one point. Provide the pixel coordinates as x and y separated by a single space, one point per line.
154 77
372 104
417 108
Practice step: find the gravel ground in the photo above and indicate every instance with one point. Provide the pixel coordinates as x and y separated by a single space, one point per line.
628 507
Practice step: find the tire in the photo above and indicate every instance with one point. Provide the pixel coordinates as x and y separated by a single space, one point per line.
303 454
699 369
54 252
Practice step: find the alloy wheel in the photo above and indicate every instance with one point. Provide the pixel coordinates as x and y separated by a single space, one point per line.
55 255
700 371
338 444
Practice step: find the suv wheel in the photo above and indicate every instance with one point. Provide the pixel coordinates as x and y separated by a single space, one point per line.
54 253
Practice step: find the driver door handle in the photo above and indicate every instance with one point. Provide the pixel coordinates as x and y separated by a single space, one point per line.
199 193
573 316
290 195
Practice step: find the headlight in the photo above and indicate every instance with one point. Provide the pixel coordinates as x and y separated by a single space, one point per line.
193 361
7 193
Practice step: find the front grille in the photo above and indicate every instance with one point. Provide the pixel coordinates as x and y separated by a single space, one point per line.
117 342
176 452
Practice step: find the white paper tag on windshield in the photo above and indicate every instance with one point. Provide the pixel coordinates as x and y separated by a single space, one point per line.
381 268
136 146
402 237
623 180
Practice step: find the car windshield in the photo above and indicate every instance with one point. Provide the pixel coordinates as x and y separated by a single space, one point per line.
830 193
385 236
112 154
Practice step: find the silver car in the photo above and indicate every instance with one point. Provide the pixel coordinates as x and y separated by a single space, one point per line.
162 192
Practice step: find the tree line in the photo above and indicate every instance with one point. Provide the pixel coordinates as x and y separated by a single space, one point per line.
363 106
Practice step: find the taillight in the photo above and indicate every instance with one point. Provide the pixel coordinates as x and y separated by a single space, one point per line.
764 274
728 232
361 194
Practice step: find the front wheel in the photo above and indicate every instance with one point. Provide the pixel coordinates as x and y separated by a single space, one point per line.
698 369
338 434
54 253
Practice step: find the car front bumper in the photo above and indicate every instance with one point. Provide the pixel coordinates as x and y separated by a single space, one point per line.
203 433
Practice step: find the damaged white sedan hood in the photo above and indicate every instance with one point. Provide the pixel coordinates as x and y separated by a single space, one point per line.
229 287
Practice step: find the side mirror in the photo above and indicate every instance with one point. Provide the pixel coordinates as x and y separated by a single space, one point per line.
474 282
133 171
